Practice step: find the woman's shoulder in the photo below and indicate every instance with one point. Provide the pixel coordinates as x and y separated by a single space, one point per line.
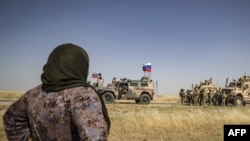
82 90
34 91
80 93
79 90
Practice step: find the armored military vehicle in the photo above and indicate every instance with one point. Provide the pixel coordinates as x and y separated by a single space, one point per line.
238 91
206 91
142 91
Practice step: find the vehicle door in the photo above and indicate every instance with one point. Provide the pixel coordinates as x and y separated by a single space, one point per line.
131 91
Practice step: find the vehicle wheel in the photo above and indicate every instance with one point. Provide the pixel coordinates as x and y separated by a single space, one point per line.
238 101
108 97
144 99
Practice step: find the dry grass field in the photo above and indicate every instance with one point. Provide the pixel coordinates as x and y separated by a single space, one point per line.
10 94
166 120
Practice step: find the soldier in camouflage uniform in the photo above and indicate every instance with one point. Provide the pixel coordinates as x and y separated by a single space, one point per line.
224 97
216 98
189 97
182 96
195 95
210 96
196 98
64 107
202 97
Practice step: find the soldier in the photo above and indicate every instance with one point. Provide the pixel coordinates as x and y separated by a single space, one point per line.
189 97
202 97
114 81
100 82
216 98
64 107
196 95
235 83
122 90
224 97
182 96
210 96
195 98
125 88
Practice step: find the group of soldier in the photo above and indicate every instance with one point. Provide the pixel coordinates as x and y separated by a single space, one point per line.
202 95
202 98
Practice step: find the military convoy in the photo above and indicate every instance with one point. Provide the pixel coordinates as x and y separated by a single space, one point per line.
206 92
238 91
142 91
209 91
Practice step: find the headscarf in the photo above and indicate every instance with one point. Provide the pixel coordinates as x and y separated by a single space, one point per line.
67 67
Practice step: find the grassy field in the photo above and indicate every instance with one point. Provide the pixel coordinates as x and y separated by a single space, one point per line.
10 94
167 122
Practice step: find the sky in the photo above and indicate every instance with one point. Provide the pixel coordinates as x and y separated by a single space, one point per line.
186 41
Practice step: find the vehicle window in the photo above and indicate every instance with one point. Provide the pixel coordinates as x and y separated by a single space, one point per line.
134 84
239 84
231 84
144 84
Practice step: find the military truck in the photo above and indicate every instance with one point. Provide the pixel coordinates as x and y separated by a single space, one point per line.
142 91
238 91
205 90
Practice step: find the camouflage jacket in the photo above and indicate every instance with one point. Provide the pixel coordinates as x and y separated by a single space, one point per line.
73 114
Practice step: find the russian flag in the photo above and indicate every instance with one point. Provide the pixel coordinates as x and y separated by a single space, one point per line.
95 75
147 67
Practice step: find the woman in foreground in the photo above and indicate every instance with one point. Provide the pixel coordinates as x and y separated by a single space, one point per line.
64 107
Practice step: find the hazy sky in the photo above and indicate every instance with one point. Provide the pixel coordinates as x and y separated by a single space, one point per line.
187 41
